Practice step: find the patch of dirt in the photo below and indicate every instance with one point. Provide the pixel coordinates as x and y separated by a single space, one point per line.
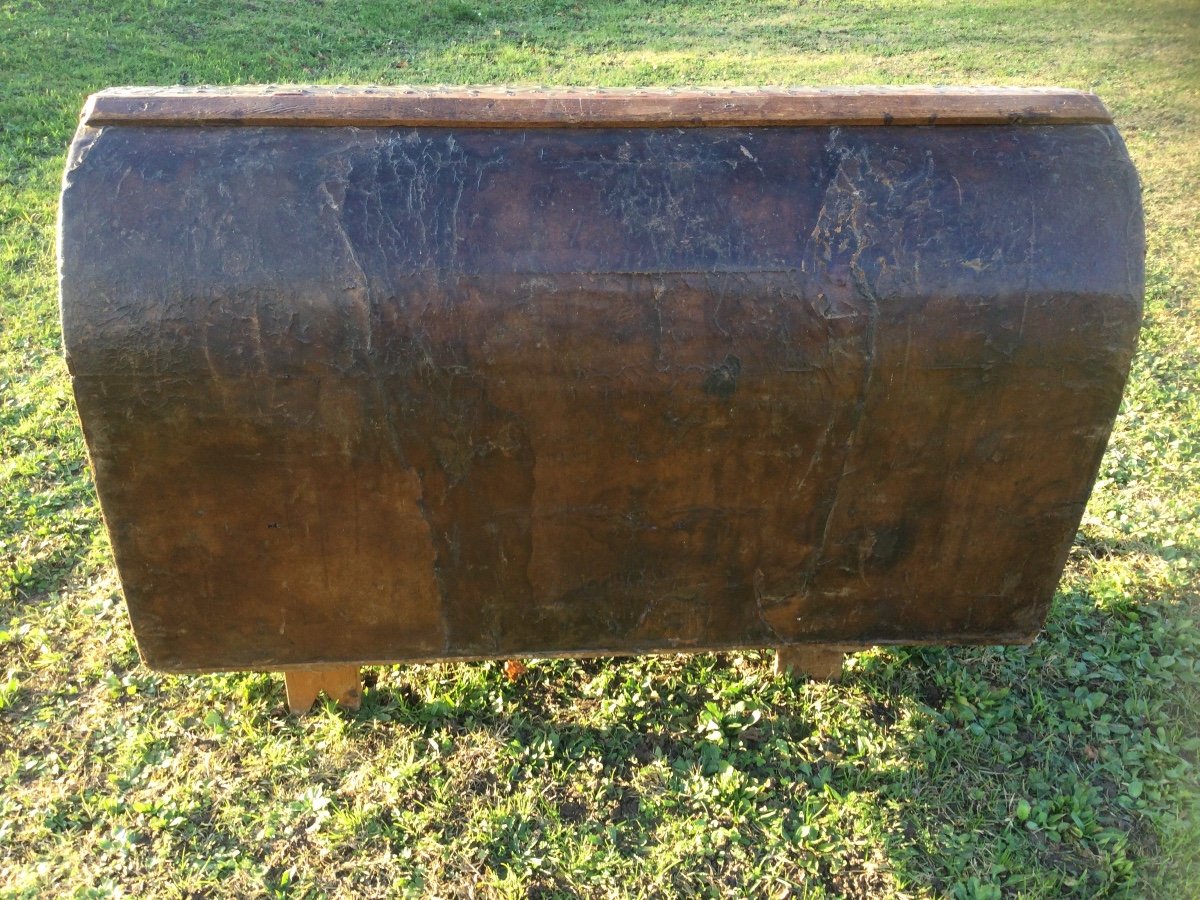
932 695
867 881
628 806
882 714
571 811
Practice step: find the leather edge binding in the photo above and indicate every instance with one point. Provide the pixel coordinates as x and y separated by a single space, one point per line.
500 107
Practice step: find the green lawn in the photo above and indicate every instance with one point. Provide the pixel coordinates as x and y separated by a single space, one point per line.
1065 768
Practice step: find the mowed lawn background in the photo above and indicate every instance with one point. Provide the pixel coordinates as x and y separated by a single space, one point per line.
1068 767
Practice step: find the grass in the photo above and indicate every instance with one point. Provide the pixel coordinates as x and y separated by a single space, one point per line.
1066 768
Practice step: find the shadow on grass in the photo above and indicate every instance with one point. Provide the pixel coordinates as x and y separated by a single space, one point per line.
743 764
971 770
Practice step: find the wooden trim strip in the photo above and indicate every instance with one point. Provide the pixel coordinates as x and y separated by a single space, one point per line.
499 107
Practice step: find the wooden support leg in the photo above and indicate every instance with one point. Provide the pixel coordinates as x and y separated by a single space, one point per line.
814 661
341 684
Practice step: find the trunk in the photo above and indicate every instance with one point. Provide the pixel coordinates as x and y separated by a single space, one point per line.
386 376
